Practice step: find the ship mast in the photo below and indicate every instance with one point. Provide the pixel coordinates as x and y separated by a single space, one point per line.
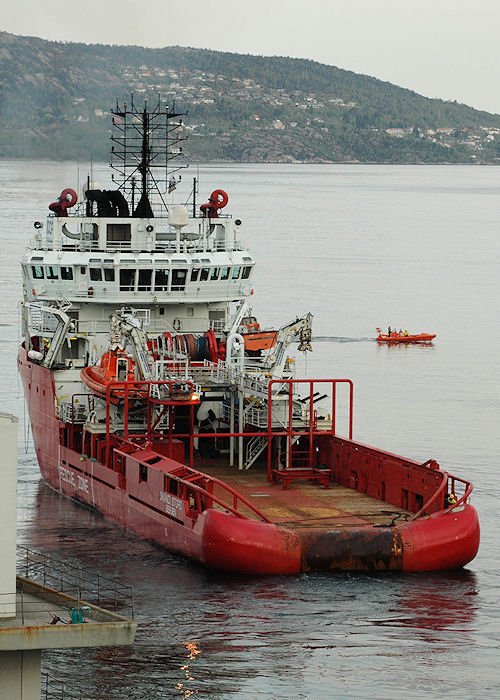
145 143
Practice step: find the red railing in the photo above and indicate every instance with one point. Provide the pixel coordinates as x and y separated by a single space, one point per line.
290 433
188 484
447 486
144 388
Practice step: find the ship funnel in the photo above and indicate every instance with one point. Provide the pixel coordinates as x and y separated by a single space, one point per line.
178 216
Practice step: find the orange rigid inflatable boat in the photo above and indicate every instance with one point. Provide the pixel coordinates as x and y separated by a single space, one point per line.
399 337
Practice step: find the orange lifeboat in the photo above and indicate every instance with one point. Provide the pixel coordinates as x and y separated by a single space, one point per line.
256 339
115 366
400 337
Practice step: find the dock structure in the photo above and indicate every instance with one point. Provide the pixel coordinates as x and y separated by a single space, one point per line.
34 616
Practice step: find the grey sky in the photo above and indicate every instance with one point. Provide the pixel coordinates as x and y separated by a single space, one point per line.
439 48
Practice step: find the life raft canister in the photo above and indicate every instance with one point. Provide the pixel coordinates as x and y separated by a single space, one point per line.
217 200
66 199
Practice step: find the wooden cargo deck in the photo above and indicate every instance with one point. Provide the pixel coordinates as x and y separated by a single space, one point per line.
305 504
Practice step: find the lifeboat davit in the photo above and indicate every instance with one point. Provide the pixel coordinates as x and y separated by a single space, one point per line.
399 337
115 366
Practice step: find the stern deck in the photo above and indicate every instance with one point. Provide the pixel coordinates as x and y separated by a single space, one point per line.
304 504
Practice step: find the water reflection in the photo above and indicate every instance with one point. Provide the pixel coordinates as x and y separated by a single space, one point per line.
436 602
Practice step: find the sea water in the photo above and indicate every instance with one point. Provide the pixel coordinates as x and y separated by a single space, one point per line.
359 246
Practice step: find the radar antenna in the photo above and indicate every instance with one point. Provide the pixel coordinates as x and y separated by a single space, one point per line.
146 141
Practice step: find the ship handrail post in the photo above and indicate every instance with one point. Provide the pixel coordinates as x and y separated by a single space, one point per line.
231 430
191 435
311 423
290 426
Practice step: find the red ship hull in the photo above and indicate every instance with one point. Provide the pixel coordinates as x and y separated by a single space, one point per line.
445 539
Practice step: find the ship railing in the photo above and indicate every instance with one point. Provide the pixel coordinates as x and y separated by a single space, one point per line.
238 499
82 246
217 326
456 493
81 582
75 412
41 322
198 246
211 497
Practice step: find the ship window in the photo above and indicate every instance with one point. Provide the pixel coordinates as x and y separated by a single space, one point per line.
118 233
161 280
190 311
109 275
66 273
224 273
37 271
52 272
236 272
127 280
205 271
162 310
194 275
95 274
179 279
83 270
215 273
143 472
144 284
246 272
121 370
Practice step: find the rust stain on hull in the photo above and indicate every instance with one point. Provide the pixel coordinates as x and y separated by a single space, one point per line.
363 549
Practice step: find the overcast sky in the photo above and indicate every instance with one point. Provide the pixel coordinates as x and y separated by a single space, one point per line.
439 48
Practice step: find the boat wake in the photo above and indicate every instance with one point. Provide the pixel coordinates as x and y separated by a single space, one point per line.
340 339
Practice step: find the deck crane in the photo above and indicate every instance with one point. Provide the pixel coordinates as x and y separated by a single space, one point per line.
299 330
126 326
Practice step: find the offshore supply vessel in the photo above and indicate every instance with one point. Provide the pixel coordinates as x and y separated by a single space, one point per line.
155 397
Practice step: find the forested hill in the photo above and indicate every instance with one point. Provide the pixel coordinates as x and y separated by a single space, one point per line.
55 99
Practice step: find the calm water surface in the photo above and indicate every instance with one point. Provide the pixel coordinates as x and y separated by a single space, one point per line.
358 246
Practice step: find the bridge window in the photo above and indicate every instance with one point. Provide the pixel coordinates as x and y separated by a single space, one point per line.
161 280
52 272
205 272
246 272
224 273
95 274
194 275
109 274
127 280
179 279
66 273
37 271
236 272
144 284
143 472
215 273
